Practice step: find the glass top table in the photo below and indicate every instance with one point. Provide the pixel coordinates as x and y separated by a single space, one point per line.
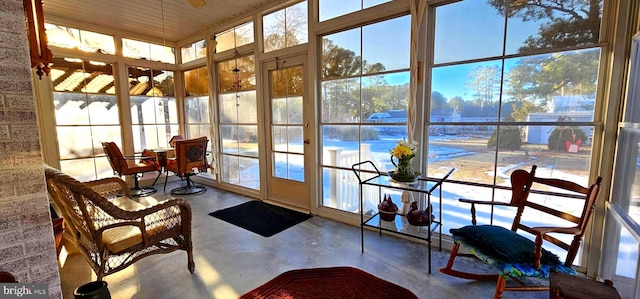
400 224
420 185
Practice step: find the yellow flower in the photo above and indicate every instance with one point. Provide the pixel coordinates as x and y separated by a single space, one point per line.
404 150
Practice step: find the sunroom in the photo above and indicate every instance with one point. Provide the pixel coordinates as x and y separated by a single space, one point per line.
292 94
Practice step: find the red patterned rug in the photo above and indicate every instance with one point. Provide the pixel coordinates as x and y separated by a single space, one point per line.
320 283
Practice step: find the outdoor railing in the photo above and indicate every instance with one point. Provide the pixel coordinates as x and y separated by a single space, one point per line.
344 187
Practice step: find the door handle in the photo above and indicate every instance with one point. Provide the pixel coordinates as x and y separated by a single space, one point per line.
307 141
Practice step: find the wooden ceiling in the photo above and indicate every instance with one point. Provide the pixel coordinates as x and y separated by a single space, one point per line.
145 17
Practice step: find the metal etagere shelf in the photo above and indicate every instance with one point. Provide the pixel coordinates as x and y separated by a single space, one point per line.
401 225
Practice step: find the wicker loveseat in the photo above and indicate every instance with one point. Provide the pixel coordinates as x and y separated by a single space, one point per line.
111 230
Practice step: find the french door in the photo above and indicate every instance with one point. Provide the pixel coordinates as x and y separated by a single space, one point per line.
287 132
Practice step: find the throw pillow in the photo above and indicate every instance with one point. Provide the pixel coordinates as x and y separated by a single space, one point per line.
505 244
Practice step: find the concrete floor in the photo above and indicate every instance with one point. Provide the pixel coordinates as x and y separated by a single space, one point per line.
231 261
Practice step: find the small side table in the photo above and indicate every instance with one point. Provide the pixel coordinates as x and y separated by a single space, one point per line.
574 287
161 158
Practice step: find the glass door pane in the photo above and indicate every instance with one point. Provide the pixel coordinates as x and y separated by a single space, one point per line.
287 167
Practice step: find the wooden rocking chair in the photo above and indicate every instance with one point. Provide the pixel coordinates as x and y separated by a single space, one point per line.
513 255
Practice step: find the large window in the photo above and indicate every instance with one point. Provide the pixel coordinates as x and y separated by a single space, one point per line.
149 51
197 103
86 114
239 122
330 9
197 107
154 114
365 87
194 51
620 261
235 37
286 27
72 38
513 84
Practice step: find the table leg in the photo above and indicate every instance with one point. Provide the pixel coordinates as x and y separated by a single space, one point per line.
160 171
161 158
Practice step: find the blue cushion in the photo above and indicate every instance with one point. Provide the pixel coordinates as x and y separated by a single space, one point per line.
505 244
516 269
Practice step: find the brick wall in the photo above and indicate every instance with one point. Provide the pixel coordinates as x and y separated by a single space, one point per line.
26 235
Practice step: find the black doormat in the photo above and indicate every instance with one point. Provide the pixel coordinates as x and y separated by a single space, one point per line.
261 218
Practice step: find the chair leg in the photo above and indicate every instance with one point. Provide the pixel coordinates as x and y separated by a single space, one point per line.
186 245
103 263
157 177
500 284
137 191
573 250
166 176
452 257
185 242
190 264
190 188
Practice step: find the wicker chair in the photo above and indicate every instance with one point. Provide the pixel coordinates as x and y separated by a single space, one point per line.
113 231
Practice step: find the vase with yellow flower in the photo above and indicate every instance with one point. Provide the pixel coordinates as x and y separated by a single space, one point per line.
403 153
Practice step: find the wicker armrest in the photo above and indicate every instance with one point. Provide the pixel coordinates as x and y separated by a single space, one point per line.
172 206
127 226
165 205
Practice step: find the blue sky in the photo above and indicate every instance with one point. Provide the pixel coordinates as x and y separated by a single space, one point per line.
450 80
333 8
474 36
